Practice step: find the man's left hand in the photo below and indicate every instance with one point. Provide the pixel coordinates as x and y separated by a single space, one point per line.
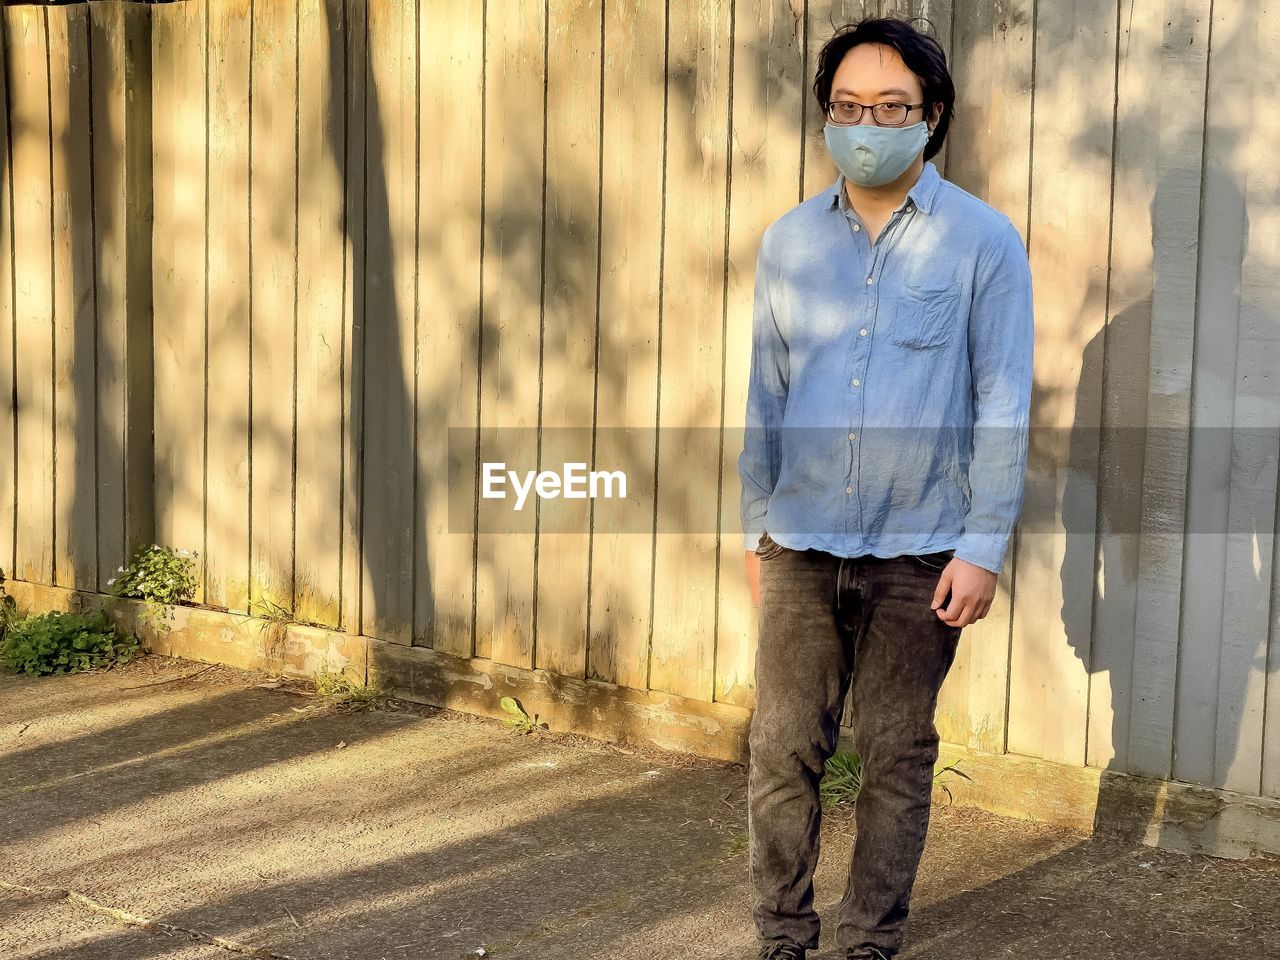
972 590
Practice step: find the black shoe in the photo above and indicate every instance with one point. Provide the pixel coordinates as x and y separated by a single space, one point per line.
781 950
867 952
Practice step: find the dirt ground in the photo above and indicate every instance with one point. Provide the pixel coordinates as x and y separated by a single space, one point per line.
180 810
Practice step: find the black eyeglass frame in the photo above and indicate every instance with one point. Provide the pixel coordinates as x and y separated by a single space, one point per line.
863 108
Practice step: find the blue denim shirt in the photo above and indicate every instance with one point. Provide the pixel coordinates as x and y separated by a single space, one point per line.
890 386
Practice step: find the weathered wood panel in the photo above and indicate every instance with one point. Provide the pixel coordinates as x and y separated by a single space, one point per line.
348 78
627 356
391 226
766 145
572 257
181 214
1242 749
273 299
230 126
26 53
1070 207
449 223
75 507
8 356
120 84
321 296
989 155
691 352
512 319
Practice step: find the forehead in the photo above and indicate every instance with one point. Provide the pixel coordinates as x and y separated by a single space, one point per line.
871 68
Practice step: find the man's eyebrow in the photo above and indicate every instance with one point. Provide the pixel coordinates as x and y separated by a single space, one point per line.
882 93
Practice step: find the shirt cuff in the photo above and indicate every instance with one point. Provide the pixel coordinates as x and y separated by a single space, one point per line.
986 550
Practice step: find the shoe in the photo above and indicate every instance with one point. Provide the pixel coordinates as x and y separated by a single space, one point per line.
781 950
867 952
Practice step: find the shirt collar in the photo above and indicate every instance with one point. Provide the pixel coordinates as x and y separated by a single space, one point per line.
922 192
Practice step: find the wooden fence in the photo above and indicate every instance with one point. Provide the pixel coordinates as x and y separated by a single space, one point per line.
258 258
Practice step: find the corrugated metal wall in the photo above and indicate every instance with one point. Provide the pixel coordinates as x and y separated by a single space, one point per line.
375 220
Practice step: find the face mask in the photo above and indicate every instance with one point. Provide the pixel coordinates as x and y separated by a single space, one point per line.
872 156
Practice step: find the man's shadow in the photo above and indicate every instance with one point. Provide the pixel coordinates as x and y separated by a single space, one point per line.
1175 633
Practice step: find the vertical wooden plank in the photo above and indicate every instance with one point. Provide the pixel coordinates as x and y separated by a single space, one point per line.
8 371
1070 216
692 352
1221 252
320 313
139 196
631 251
349 74
1147 408
822 18
75 558
26 51
1255 446
514 172
768 65
107 45
273 316
178 89
988 156
229 130
451 156
391 198
568 350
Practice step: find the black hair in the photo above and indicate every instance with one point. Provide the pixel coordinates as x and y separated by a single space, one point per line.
921 52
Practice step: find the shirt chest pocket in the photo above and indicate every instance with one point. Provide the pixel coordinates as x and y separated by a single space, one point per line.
929 313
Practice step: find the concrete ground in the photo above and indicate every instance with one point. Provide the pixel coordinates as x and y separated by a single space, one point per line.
173 809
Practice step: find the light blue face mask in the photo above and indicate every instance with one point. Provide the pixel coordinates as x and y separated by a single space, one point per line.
872 156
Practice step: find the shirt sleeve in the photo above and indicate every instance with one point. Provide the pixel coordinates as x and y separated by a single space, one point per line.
1001 337
760 461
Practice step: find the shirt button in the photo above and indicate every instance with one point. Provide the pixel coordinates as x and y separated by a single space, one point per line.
870 281
856 381
848 489
853 436
857 227
862 332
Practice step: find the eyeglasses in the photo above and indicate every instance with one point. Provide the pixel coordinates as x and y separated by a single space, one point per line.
889 114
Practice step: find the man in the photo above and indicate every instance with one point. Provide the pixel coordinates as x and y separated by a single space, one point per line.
882 474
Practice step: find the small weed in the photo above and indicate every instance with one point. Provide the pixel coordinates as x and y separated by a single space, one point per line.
344 691
8 609
160 577
738 841
519 721
266 609
843 778
952 767
58 642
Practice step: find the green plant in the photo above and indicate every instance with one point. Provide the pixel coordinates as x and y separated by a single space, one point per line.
347 692
58 642
952 767
842 778
8 609
519 721
160 577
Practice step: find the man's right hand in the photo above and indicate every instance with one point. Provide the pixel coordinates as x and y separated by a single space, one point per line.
753 576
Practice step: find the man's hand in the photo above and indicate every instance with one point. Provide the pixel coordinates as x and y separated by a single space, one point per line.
753 576
972 590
